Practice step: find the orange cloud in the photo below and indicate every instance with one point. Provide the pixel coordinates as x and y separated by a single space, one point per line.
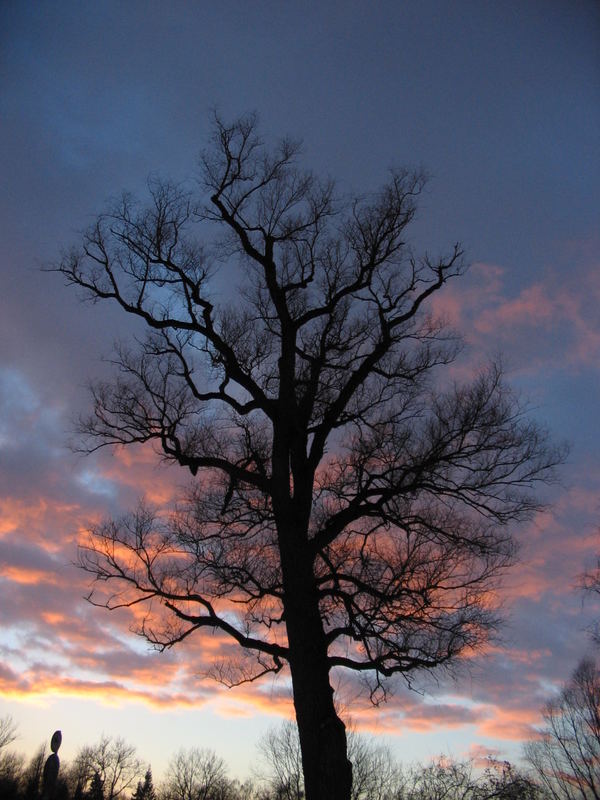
139 468
510 724
109 692
248 704
26 576
18 514
53 617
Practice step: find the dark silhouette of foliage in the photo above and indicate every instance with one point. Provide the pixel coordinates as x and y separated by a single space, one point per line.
349 509
11 765
61 790
145 790
11 774
96 789
9 786
32 777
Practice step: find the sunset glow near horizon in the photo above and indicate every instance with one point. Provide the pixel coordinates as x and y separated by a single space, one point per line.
501 102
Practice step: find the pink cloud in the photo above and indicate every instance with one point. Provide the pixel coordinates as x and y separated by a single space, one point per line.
550 323
458 300
558 544
511 724
483 756
532 307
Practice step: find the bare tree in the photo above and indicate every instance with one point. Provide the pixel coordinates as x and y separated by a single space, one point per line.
503 781
589 581
445 779
566 758
348 510
8 731
280 750
375 775
195 774
12 767
111 765
32 774
11 764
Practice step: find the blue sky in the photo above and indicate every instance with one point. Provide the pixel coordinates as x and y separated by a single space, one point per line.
500 102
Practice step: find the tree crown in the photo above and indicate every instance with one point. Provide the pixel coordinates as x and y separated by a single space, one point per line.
308 404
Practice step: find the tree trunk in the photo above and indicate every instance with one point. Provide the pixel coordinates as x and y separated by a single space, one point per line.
327 770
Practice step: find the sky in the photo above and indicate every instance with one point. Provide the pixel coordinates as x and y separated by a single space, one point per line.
500 103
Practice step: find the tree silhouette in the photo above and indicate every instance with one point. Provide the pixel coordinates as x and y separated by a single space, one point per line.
11 774
110 766
375 775
96 790
8 731
589 581
459 780
78 793
566 757
194 774
32 777
145 790
348 509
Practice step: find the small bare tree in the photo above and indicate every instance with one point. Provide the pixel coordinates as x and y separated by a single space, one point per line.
8 731
348 510
111 764
375 775
566 757
11 764
194 774
280 750
445 779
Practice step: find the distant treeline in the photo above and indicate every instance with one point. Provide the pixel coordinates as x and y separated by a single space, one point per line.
562 763
111 770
